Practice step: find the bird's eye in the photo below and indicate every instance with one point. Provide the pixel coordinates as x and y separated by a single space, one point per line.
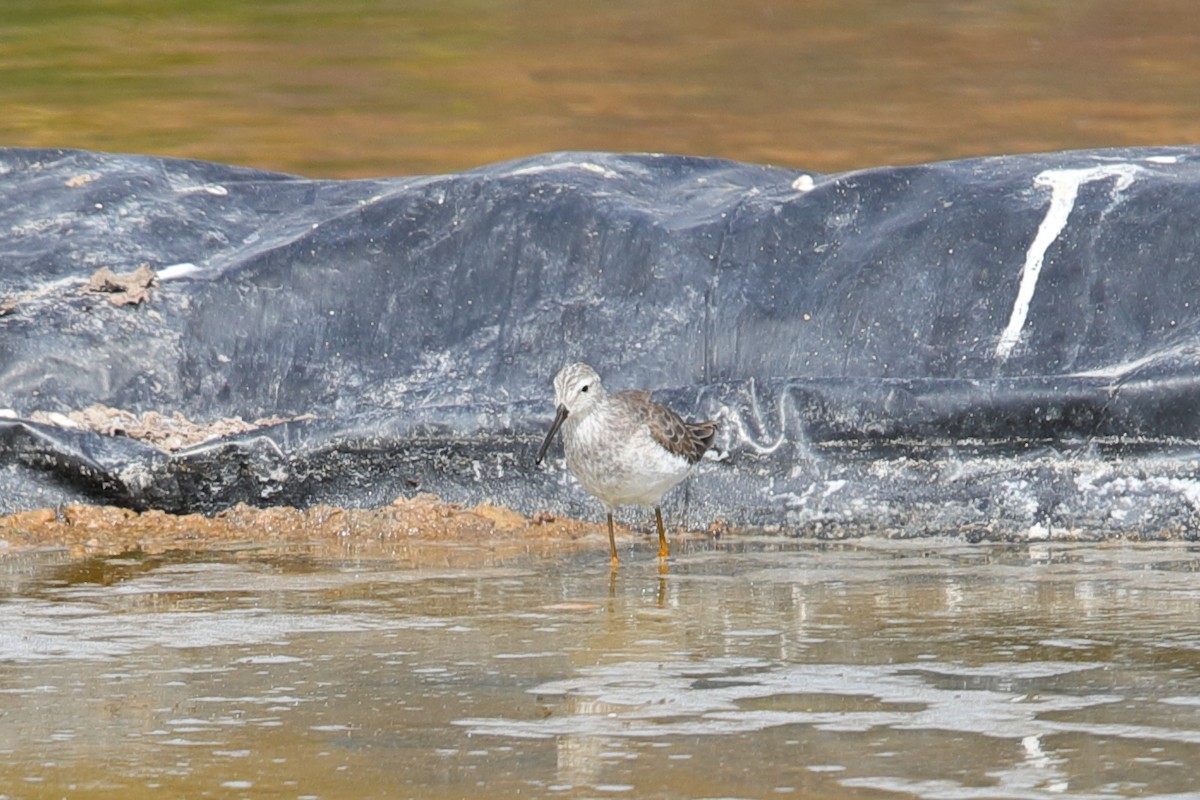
585 388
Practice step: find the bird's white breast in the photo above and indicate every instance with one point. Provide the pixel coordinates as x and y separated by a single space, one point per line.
617 460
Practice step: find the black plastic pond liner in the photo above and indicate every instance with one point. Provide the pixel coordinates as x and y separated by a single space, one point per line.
1005 346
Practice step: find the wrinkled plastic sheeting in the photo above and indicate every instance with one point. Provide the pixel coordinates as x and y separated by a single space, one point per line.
1006 346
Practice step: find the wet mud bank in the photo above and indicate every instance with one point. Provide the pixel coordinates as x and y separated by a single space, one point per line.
423 530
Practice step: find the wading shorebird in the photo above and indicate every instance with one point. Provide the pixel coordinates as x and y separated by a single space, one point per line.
623 447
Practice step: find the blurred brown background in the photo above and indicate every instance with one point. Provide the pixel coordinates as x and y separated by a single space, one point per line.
344 88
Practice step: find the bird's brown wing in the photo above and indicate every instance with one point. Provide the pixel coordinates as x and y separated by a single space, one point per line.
689 440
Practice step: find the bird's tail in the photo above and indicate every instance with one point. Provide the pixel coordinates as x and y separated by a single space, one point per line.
704 432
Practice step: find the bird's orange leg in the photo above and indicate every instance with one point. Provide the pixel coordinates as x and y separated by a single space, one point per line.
612 542
664 550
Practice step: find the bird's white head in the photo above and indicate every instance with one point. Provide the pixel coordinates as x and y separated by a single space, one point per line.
577 388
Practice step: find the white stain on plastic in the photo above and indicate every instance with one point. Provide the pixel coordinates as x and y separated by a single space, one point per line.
585 166
215 189
175 271
1064 190
804 183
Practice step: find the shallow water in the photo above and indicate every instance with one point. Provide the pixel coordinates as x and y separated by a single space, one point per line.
754 668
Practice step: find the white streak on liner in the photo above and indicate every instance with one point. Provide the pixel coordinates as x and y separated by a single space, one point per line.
1064 189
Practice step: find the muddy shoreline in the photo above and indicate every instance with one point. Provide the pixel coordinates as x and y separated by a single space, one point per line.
421 530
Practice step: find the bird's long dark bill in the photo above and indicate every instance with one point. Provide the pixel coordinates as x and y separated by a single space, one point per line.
558 421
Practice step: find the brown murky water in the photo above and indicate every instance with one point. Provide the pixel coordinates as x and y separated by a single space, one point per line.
755 668
362 87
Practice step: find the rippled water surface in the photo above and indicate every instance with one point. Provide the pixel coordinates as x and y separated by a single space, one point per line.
754 668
